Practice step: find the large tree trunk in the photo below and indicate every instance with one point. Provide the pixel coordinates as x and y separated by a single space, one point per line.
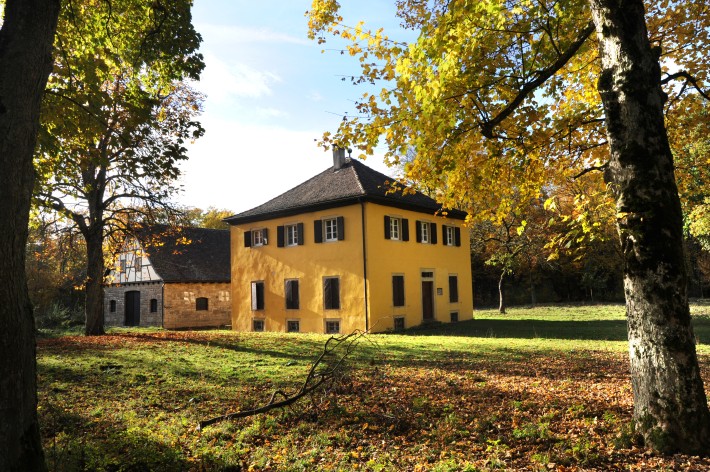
94 278
670 408
25 63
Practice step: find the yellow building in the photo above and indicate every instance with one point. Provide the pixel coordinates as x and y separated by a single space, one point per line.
342 252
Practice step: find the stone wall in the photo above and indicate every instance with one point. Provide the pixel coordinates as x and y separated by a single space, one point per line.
147 291
181 305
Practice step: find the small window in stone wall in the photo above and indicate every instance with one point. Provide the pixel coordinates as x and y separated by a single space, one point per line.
112 306
223 296
201 304
153 305
188 297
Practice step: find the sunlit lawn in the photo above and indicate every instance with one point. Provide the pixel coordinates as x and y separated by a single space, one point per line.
539 388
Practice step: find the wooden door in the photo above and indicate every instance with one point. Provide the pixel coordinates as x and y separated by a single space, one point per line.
427 300
133 308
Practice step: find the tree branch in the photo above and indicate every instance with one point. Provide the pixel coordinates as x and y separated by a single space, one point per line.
688 79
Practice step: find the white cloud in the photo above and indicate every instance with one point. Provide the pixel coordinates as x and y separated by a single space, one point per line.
244 35
315 96
222 81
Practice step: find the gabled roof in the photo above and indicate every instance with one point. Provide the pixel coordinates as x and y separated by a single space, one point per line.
187 254
352 183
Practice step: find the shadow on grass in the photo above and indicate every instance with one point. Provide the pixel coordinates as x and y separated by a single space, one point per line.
599 330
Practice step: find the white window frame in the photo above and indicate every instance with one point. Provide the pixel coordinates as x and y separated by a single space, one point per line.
424 229
257 237
333 320
450 236
291 235
330 229
395 228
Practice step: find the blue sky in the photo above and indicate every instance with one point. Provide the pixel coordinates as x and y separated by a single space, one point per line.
271 94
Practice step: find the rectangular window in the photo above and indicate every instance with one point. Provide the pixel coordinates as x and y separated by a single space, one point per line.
153 305
449 236
138 263
454 316
332 326
453 289
424 232
112 306
257 296
427 275
398 290
258 237
399 323
394 228
331 293
201 304
331 229
293 326
292 297
122 263
257 325
292 235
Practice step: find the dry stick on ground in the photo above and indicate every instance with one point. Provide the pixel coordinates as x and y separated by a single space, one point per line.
314 380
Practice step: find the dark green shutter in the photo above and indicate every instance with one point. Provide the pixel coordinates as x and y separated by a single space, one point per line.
280 236
432 233
247 239
418 229
301 235
444 239
318 231
457 235
341 228
405 229
265 236
387 228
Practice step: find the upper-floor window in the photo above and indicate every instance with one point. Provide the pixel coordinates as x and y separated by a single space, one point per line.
138 263
291 235
452 235
256 237
426 232
396 228
122 264
329 229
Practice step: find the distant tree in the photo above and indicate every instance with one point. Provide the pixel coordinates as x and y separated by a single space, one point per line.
116 116
26 34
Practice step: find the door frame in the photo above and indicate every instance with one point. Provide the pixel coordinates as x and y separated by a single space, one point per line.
133 308
428 280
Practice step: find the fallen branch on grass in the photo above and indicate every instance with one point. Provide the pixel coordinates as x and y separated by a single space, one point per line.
317 377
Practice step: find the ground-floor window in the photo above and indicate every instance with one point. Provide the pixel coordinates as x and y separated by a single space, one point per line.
257 325
153 305
257 295
293 326
399 323
112 306
454 316
331 293
332 326
201 304
292 297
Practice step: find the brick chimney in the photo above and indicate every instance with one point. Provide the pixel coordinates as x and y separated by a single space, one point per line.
339 159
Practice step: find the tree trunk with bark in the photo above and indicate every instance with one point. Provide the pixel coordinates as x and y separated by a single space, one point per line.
94 279
501 293
25 63
670 407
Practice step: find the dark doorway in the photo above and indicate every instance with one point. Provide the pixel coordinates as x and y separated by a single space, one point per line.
133 308
428 300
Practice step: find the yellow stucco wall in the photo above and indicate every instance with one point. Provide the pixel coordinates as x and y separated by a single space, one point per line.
308 263
409 258
311 262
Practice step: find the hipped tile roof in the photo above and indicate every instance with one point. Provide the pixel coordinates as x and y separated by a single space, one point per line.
185 254
352 183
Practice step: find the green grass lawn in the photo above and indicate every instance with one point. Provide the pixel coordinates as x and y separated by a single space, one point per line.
536 388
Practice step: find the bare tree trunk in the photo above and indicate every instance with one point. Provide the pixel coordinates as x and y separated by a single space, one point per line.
25 63
670 408
94 279
501 293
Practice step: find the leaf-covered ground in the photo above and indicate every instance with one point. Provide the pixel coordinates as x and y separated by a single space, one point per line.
496 393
